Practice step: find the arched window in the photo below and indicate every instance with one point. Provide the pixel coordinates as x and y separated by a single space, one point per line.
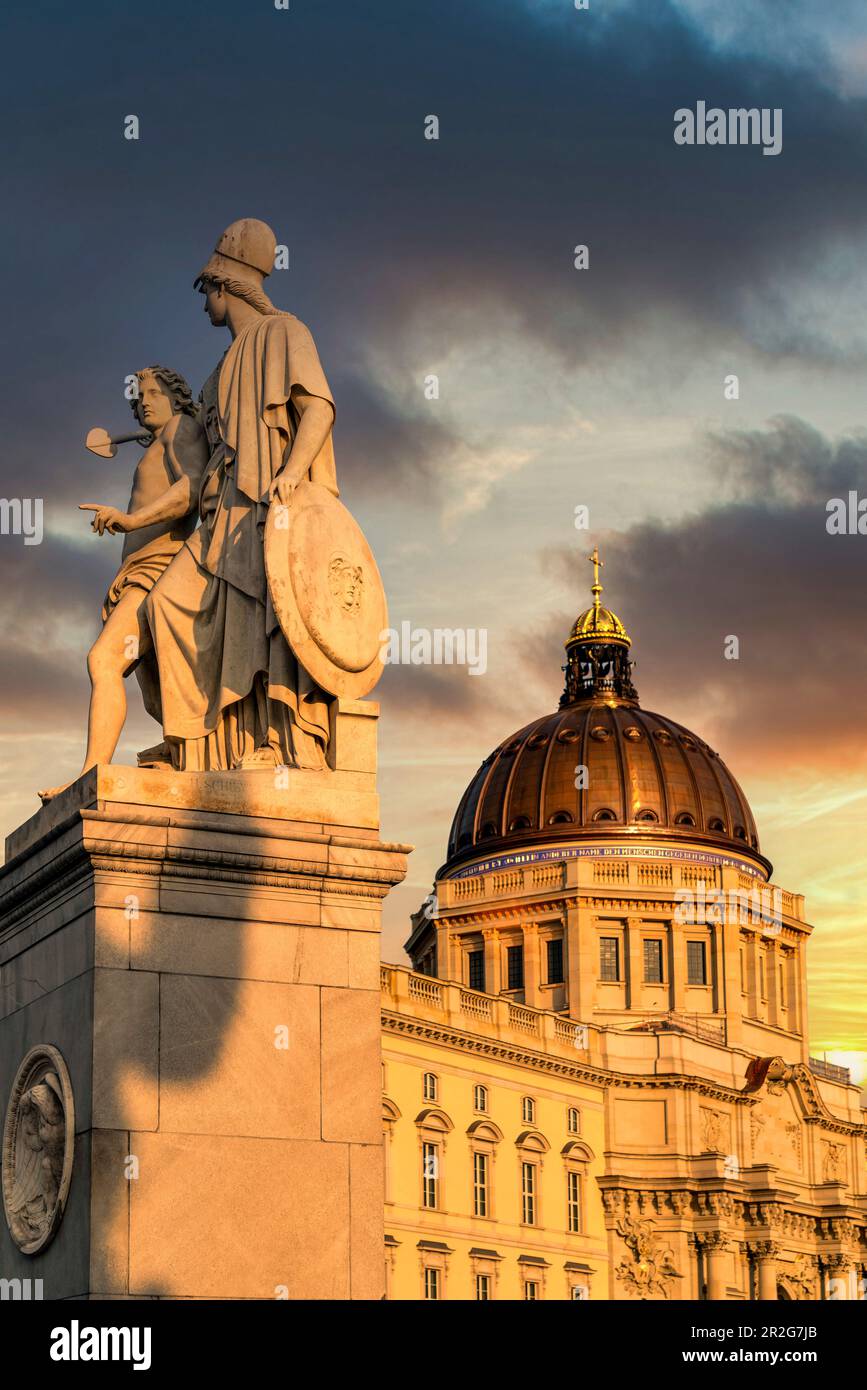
430 1086
561 818
390 1117
520 823
484 1136
647 815
433 1127
480 1099
574 1120
684 818
604 814
531 1147
577 1157
528 1110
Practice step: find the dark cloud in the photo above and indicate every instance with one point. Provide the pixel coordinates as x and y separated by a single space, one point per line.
437 693
556 128
383 444
50 604
762 568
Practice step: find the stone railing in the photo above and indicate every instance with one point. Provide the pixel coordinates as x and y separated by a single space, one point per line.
423 987
530 878
464 888
610 871
527 1020
656 874
702 1026
476 1005
545 876
424 997
830 1071
511 882
698 1026
691 875
615 871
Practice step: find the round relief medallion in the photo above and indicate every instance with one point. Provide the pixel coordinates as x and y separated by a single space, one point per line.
38 1142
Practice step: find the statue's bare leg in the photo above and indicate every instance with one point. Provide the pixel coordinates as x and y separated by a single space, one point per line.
124 638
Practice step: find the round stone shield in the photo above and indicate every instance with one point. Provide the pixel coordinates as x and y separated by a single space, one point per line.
326 590
38 1144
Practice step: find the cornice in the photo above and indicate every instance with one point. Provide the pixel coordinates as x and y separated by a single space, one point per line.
76 863
478 1044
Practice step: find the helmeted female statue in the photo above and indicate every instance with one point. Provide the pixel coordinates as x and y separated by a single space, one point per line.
233 693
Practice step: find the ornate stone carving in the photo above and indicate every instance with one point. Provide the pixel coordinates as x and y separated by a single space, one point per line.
764 1249
833 1162
38 1141
648 1274
800 1281
835 1263
715 1129
710 1240
793 1131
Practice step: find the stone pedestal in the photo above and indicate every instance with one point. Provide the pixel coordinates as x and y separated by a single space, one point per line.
203 950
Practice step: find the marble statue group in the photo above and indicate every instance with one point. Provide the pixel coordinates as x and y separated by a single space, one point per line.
247 600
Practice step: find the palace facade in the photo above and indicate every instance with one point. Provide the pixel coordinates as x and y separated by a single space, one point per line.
596 1074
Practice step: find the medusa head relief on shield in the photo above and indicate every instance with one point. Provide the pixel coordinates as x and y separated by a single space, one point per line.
345 580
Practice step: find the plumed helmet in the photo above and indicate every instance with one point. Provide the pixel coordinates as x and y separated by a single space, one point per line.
246 244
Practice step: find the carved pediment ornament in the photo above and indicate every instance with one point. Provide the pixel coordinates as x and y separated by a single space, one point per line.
650 1270
38 1148
800 1281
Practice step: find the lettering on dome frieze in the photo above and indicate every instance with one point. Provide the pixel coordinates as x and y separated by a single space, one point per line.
563 852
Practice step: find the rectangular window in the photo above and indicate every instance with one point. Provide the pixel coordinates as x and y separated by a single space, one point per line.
480 1184
432 1283
696 963
653 962
515 964
483 1288
528 1194
782 986
743 971
531 1289
573 1196
609 958
555 962
430 1175
477 970
762 985
429 1086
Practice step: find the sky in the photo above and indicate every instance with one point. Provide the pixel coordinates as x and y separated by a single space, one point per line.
558 388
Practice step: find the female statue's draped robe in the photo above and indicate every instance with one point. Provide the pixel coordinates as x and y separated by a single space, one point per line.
229 682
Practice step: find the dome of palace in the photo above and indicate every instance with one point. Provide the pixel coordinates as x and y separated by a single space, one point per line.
646 775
